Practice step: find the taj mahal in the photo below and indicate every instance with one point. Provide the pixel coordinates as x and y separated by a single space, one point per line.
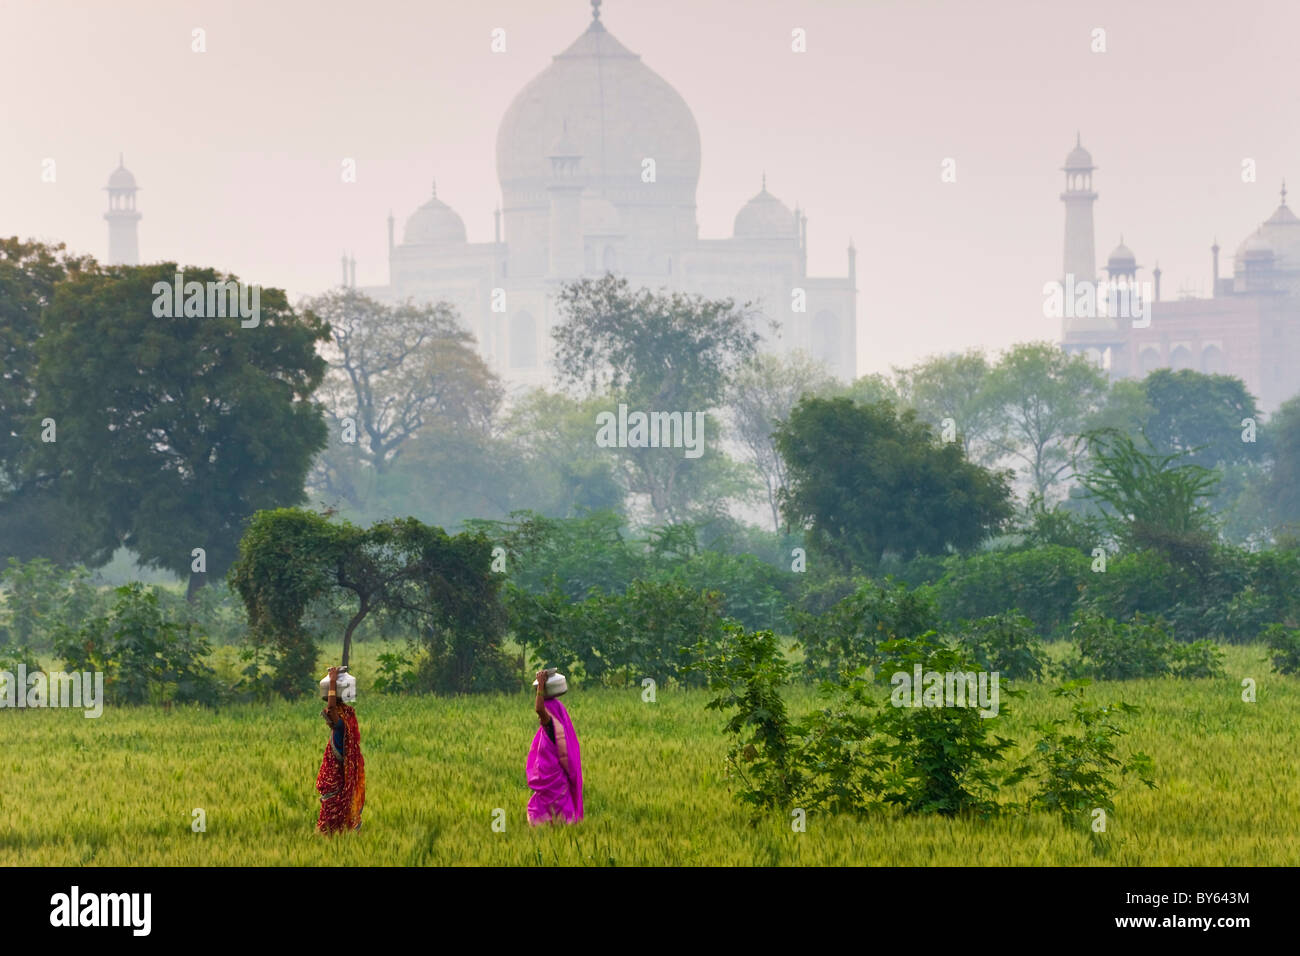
598 160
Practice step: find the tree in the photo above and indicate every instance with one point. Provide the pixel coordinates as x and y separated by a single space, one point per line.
555 466
952 387
761 396
867 479
393 370
441 584
658 352
176 429
34 520
1040 398
1199 416
1154 500
1281 491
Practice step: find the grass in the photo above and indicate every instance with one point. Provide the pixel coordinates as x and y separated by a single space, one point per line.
120 790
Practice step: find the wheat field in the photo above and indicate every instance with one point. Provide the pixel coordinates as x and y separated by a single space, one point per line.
122 789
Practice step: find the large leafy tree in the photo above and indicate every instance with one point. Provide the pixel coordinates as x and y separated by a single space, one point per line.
761 396
176 429
1200 416
870 479
394 370
666 352
952 387
34 520
1040 399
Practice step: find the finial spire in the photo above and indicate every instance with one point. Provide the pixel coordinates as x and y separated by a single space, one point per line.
1284 192
1078 140
595 9
121 164
435 189
765 180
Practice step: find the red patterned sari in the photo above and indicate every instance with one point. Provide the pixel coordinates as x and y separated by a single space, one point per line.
342 779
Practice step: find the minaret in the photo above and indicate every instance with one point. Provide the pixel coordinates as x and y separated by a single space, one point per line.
1080 249
565 188
122 217
1214 276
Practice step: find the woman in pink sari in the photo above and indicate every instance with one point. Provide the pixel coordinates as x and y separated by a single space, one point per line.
554 762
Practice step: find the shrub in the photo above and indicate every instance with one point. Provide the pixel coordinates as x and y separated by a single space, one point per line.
939 759
1041 583
1284 642
746 671
395 673
1111 650
650 631
145 656
1197 659
41 600
753 591
1074 760
1143 582
1006 643
845 638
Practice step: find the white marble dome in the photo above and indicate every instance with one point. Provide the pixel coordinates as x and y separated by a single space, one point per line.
615 111
434 222
764 217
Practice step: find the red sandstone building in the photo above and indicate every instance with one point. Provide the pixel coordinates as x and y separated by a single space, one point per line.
1249 328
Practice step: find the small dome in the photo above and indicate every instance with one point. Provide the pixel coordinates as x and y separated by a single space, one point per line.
1079 157
1122 256
764 217
1257 247
121 177
434 222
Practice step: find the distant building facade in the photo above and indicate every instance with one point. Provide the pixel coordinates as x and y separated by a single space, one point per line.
598 159
1249 327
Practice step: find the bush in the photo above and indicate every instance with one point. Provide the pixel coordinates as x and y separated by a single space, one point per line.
1006 643
753 592
1041 583
145 656
845 638
1074 758
938 759
1197 659
1111 650
1143 647
1142 582
1284 642
41 600
650 631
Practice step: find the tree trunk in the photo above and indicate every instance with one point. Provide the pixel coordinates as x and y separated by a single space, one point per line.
352 626
192 586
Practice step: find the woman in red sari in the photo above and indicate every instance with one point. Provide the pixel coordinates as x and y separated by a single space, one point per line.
342 778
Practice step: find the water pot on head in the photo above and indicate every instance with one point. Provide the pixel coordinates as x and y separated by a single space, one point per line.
347 686
555 683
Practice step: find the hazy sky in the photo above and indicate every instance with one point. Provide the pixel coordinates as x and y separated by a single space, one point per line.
237 150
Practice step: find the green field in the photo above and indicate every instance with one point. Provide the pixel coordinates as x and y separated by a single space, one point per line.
120 790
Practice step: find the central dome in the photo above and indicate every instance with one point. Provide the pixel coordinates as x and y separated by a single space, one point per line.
615 111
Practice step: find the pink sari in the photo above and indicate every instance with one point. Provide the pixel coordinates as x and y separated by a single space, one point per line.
556 795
